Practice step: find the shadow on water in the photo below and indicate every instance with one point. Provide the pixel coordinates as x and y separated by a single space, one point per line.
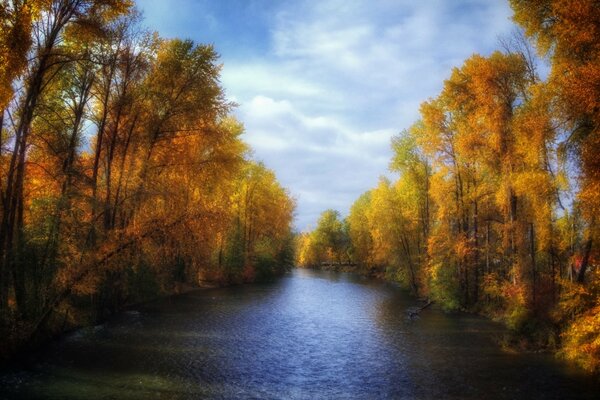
308 335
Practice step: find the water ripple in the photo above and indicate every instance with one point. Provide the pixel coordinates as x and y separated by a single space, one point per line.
310 335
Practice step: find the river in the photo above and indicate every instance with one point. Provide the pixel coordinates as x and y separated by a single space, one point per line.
309 335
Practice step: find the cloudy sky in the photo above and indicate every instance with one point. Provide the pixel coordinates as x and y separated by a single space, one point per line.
323 85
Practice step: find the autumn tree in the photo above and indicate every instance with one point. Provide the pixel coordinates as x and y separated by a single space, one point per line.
123 174
328 243
259 242
16 22
568 34
58 20
359 232
495 206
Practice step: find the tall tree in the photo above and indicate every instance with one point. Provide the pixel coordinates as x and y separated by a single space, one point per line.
58 19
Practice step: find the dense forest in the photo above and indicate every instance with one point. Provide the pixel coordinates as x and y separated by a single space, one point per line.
123 175
496 205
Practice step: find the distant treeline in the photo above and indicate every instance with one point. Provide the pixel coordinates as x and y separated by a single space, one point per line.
497 204
122 175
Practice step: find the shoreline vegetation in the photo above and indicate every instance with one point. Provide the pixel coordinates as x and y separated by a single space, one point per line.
497 192
510 341
123 174
24 351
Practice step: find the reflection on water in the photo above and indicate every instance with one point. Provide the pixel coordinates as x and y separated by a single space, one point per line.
310 335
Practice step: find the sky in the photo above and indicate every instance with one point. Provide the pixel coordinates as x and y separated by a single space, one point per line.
323 85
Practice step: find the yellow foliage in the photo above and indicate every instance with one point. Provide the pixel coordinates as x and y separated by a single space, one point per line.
581 340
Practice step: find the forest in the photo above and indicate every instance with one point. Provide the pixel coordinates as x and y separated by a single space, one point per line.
495 205
123 175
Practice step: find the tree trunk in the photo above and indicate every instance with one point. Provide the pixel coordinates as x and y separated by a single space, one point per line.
533 266
12 198
476 253
586 260
115 207
413 280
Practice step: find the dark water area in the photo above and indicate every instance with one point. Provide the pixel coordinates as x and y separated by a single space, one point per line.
309 335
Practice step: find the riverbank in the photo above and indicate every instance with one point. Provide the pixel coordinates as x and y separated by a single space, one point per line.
21 342
375 273
532 336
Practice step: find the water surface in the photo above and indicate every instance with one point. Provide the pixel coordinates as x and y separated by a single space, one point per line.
309 335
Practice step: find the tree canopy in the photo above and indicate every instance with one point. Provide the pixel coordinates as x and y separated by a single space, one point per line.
122 173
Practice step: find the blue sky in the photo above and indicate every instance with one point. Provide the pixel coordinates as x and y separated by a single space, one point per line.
322 86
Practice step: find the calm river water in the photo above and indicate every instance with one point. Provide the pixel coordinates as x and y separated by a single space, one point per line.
309 335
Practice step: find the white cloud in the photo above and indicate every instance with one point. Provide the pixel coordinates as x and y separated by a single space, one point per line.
323 161
246 78
341 78
335 79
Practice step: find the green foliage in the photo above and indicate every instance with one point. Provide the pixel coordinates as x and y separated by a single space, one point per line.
443 286
142 283
233 255
266 262
581 340
578 312
286 256
329 243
